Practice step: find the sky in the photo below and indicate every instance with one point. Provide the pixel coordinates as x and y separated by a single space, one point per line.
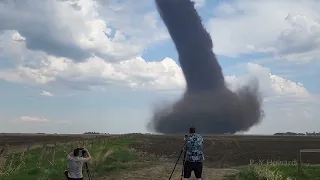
73 66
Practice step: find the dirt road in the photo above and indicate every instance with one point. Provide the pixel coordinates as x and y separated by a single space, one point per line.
163 171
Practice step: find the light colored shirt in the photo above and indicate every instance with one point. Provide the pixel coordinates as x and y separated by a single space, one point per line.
75 165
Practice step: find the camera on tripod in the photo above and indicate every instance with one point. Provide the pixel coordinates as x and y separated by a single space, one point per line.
82 152
186 136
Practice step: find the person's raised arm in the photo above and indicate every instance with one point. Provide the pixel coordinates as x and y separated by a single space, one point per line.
185 143
86 158
89 155
201 142
69 155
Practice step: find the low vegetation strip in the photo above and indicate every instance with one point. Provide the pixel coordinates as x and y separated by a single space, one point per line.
109 158
277 172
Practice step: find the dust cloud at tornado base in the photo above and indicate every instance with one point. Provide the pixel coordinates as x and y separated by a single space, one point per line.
207 103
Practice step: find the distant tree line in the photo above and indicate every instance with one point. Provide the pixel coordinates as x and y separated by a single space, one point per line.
94 133
297 134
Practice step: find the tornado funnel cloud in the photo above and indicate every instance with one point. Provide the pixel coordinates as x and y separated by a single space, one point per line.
207 103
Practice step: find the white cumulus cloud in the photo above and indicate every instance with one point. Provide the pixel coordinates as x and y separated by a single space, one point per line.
288 29
59 29
46 93
33 119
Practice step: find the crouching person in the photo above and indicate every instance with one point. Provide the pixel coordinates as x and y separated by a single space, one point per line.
76 159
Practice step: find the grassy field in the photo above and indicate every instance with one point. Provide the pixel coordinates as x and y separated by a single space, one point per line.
277 172
146 157
109 157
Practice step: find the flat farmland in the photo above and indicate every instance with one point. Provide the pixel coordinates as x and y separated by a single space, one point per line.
17 139
236 150
220 151
141 156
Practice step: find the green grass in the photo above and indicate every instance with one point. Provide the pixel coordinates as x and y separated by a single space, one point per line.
19 166
277 172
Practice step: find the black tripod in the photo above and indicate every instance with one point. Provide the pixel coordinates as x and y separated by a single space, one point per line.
177 163
88 171
184 157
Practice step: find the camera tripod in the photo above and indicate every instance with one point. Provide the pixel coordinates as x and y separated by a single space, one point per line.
84 154
184 157
177 163
88 171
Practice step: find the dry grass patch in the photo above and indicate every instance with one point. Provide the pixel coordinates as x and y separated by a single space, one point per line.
108 153
163 171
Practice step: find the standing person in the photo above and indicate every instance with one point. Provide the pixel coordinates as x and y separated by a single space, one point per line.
194 155
75 164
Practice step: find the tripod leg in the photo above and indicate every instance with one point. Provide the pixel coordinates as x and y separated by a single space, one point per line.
66 173
183 162
175 165
88 171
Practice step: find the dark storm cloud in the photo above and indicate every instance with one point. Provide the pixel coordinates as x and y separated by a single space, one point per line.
38 24
53 46
73 3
